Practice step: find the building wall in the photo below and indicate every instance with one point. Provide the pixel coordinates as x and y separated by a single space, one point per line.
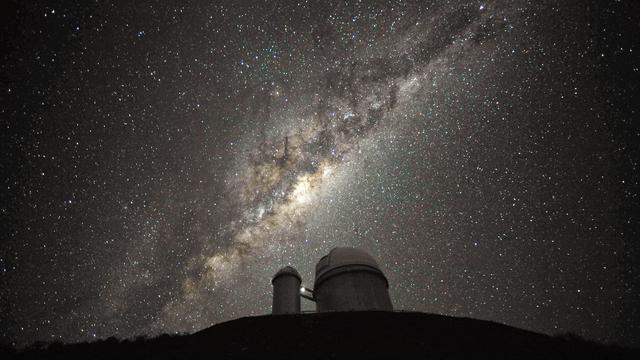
353 291
286 295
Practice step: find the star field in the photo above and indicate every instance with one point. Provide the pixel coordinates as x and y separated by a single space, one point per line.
163 161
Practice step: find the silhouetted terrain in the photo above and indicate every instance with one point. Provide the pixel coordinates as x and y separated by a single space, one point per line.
353 335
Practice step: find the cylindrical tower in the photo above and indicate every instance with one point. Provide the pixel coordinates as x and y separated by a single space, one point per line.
349 279
286 291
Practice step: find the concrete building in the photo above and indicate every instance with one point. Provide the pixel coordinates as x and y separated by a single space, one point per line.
286 291
347 279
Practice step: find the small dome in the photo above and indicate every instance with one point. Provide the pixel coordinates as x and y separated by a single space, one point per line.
287 270
343 256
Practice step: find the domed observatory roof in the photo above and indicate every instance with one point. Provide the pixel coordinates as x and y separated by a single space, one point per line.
287 270
350 279
340 257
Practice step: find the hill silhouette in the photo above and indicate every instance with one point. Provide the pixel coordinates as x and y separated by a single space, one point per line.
345 335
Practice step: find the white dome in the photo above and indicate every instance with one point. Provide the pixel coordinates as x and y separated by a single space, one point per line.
286 271
344 256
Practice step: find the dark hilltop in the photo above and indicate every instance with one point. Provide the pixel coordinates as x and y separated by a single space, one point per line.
342 335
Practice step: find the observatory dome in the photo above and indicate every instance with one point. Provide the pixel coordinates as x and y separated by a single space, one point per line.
344 256
286 291
287 270
349 279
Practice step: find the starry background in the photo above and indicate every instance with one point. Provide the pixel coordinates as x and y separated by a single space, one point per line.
160 161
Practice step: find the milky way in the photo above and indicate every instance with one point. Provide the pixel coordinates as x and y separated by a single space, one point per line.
164 161
285 174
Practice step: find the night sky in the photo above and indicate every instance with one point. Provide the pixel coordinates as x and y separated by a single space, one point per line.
161 161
